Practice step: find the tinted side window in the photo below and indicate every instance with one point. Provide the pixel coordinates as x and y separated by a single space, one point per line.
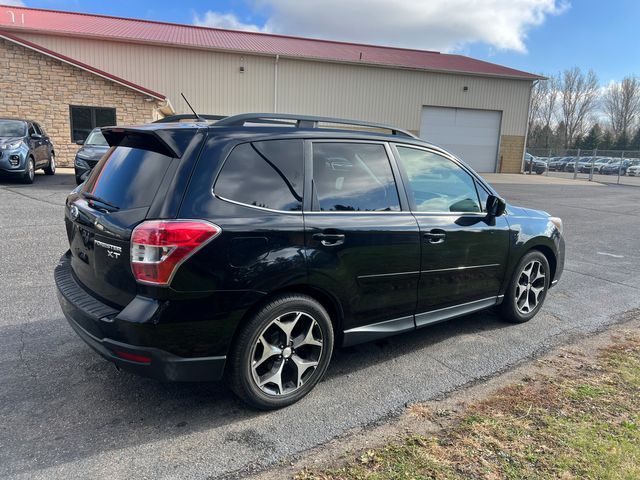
32 130
354 177
264 174
128 177
437 184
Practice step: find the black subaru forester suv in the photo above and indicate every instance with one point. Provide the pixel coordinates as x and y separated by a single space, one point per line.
250 248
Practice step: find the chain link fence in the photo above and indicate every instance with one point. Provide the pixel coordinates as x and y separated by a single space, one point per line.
606 166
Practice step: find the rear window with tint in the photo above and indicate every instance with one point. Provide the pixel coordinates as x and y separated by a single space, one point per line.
128 177
264 174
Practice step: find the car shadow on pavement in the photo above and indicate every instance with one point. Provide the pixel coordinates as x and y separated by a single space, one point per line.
61 402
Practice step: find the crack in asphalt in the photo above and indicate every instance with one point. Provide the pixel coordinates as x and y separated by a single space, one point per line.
601 278
609 212
21 358
30 197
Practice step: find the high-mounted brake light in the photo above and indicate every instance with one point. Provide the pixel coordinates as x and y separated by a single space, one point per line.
159 247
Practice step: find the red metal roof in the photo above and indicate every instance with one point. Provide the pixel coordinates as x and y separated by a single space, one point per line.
144 31
83 66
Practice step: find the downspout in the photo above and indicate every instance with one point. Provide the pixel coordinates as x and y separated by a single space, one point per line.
526 133
275 84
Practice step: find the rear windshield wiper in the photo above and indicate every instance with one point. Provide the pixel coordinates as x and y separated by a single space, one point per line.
110 207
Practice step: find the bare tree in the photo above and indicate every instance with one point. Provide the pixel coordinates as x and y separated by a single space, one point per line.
621 103
544 95
578 94
548 108
535 105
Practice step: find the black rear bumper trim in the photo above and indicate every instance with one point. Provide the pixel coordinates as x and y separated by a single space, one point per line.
76 303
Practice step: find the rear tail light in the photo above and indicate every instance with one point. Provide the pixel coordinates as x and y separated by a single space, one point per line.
159 247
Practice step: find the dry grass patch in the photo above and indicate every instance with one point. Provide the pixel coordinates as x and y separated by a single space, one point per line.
582 421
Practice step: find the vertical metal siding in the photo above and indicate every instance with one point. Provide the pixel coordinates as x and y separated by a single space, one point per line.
213 83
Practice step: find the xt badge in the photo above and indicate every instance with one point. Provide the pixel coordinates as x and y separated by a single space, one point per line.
113 251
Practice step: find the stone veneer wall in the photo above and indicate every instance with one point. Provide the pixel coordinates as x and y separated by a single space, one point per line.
40 88
511 150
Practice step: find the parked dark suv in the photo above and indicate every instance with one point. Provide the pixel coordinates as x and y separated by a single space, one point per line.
24 148
92 150
252 247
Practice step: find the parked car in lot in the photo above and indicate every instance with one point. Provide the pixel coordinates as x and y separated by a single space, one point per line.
601 162
24 148
582 162
559 164
634 170
534 164
92 150
249 250
594 164
616 166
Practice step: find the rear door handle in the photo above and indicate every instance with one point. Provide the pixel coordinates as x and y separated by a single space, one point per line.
329 239
435 236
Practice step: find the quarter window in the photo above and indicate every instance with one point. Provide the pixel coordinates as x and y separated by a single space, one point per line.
264 174
353 177
437 184
85 119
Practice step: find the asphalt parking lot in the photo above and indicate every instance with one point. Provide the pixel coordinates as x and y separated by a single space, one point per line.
66 413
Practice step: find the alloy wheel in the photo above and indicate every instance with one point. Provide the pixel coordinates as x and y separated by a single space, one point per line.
531 284
286 353
31 170
52 163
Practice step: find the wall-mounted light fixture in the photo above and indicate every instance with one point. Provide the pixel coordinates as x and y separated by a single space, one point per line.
241 65
465 89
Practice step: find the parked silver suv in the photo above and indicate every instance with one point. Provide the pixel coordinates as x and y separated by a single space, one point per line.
24 148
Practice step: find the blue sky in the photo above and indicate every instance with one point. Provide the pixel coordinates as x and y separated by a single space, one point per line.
551 34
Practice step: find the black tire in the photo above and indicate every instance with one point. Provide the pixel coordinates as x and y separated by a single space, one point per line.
511 310
30 173
240 366
51 168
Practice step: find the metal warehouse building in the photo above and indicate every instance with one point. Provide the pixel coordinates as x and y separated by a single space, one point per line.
73 71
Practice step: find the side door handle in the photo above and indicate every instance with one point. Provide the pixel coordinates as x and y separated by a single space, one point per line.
435 236
329 239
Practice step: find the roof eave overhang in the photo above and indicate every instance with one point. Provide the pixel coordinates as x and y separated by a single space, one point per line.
526 76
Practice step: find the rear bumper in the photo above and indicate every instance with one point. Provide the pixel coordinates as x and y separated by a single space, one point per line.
85 314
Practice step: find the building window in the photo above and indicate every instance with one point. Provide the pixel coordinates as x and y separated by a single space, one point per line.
85 119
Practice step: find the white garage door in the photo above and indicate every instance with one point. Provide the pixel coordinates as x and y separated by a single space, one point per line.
471 135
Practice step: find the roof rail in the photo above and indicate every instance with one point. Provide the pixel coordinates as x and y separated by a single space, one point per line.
188 116
303 121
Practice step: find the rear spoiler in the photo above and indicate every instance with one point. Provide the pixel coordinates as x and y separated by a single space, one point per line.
169 142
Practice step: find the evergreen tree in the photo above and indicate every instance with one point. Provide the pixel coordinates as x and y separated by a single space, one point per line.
559 137
635 141
578 142
622 143
607 141
592 140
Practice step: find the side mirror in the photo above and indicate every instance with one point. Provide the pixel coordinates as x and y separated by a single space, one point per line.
495 206
36 136
79 142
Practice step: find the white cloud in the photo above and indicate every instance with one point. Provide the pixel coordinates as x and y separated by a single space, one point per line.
224 20
443 25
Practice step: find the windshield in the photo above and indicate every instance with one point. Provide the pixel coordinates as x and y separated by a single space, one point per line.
12 128
96 138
